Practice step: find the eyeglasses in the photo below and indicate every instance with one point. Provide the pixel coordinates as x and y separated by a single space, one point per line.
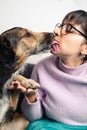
67 28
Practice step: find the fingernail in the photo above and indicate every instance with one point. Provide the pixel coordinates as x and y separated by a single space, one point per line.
15 84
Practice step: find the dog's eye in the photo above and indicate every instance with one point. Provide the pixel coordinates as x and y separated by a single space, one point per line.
27 35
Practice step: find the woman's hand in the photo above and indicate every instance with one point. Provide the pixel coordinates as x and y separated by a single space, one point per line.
31 92
17 85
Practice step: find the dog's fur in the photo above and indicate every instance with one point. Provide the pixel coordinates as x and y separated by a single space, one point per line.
16 45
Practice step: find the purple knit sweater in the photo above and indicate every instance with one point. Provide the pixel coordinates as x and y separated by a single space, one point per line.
62 94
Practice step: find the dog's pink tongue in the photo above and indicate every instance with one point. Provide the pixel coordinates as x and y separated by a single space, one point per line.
55 47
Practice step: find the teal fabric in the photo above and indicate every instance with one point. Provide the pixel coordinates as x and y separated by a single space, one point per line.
45 124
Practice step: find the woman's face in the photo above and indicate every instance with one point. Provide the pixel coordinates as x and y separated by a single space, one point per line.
69 44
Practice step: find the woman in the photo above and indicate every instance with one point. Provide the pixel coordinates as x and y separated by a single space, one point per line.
61 101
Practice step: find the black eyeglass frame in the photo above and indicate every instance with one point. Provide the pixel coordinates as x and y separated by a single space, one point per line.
61 25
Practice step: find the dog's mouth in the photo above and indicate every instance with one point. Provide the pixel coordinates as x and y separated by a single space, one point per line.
44 48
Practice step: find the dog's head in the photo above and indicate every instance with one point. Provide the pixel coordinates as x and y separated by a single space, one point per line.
18 43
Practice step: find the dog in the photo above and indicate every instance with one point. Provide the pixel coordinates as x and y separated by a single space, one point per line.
16 45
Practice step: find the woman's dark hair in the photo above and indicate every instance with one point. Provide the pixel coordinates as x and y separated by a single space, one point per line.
78 17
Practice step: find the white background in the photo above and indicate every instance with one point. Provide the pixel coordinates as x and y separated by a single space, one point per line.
37 15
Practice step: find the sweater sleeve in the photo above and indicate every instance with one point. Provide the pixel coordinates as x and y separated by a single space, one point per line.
32 111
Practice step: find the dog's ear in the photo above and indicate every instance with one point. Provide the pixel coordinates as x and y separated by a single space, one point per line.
6 54
7 40
10 38
4 42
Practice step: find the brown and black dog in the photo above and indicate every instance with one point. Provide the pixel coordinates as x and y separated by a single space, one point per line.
16 45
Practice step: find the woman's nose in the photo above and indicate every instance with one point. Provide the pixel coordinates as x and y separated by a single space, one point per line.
57 32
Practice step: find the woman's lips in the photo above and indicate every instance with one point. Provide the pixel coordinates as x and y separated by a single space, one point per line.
55 47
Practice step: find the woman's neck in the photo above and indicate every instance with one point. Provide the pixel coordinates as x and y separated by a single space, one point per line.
72 62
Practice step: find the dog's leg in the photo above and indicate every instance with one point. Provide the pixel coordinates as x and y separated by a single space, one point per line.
14 100
27 83
12 105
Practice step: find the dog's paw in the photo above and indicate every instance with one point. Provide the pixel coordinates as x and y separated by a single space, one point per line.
27 83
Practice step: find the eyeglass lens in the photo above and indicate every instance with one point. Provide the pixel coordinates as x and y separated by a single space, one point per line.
65 28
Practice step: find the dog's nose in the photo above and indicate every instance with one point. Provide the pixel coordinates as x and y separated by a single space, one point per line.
49 38
52 35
